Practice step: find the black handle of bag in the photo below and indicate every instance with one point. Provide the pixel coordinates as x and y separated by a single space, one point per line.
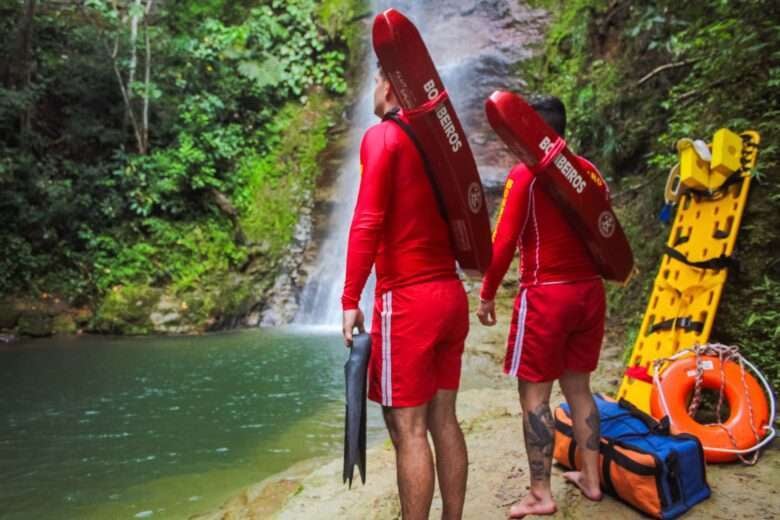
649 420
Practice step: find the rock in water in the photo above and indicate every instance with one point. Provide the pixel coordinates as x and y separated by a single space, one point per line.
35 324
9 315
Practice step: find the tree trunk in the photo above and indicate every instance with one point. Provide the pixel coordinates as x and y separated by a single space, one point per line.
226 207
123 90
16 73
133 49
138 121
147 78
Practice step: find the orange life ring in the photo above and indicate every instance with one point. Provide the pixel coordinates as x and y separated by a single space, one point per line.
677 383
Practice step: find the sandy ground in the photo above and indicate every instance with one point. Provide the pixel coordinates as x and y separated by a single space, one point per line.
489 414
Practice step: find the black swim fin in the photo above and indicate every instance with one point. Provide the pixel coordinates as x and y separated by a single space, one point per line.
355 371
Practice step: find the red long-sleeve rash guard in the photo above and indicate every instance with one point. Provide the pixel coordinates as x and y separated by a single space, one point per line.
529 220
396 222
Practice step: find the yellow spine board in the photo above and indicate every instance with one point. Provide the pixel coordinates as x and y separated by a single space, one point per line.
703 228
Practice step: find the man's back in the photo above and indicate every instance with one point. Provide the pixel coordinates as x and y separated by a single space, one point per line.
557 324
551 251
420 312
397 221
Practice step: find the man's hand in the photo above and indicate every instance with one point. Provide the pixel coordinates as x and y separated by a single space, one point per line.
352 318
487 312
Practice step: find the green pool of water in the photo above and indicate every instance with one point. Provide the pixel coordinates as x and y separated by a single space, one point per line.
162 427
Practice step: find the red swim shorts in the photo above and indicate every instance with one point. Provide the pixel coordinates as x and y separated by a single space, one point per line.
417 338
556 328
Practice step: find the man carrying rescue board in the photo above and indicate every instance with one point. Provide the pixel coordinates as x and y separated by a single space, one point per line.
420 208
557 324
420 314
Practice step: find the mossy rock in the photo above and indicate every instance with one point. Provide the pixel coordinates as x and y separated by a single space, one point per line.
127 310
64 324
236 296
209 308
35 324
172 316
83 317
201 306
9 315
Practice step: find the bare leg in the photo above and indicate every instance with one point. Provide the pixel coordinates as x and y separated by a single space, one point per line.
414 462
539 436
587 432
451 456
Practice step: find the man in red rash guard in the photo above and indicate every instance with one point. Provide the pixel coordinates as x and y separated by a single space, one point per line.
557 324
420 313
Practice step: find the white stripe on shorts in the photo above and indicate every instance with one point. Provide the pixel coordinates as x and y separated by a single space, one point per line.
520 333
387 372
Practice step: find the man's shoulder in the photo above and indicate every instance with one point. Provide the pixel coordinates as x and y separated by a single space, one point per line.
384 135
376 130
521 174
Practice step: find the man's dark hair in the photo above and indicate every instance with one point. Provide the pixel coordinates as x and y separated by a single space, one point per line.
553 112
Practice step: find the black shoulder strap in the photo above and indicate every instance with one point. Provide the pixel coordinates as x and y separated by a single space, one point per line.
393 116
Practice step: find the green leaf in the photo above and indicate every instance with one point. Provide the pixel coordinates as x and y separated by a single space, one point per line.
267 73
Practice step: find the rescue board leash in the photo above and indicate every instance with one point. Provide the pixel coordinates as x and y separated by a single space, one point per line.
558 145
724 353
428 106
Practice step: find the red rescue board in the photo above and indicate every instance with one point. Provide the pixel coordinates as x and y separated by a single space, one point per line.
407 64
576 189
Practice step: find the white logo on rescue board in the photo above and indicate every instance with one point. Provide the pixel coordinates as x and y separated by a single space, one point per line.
475 197
450 132
606 224
566 168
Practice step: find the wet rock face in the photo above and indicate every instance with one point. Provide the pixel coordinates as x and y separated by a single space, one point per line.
167 316
476 46
283 299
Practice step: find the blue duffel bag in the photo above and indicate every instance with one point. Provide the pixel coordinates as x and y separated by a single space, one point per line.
642 464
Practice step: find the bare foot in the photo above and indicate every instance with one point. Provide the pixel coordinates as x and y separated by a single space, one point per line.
591 492
532 504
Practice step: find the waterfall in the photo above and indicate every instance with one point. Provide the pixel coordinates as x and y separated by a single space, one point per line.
474 45
321 297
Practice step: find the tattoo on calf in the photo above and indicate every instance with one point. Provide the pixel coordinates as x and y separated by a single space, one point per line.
595 430
538 471
541 435
539 439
